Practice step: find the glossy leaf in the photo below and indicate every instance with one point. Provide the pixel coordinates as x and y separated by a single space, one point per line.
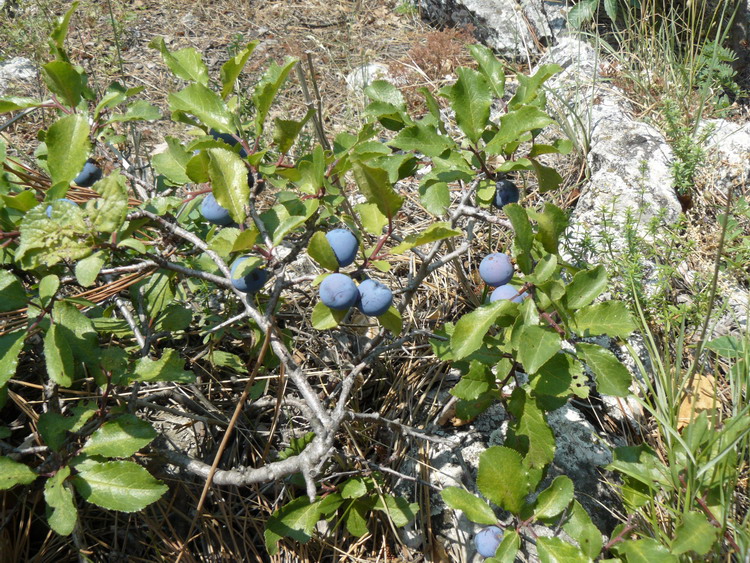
61 510
536 345
555 498
87 270
228 176
555 550
206 105
611 318
473 507
170 367
320 250
612 378
185 63
586 286
121 437
470 100
12 293
13 473
267 88
376 187
507 488
118 485
58 357
472 327
324 318
64 81
422 138
230 70
578 526
435 232
490 67
296 520
11 345
646 550
68 147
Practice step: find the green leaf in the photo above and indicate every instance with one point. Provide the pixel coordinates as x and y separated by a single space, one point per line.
174 318
559 376
87 270
640 463
156 291
57 36
61 510
555 550
48 287
324 318
372 219
107 213
549 179
22 201
478 380
530 434
297 446
435 232
12 293
555 498
474 508
230 70
121 437
645 550
578 525
514 124
610 7
320 250
48 240
470 100
422 138
551 225
63 80
508 548
79 335
524 235
14 103
528 86
282 219
170 367
285 131
206 105
376 187
139 110
118 485
385 92
695 534
267 88
13 473
353 488
471 328
185 63
58 357
507 488
67 147
355 517
172 163
296 520
435 197
392 320
724 346
312 170
54 427
10 347
582 12
490 67
612 378
399 510
586 286
229 182
611 318
536 345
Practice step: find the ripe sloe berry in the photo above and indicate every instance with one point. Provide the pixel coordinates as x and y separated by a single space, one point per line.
488 540
90 174
496 269
505 192
251 282
338 292
213 212
344 245
508 292
374 298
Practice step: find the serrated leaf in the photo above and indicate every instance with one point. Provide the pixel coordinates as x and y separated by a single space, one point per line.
320 250
312 170
48 287
474 508
230 70
175 317
470 100
478 380
139 110
87 270
557 375
471 328
530 434
610 7
353 488
547 177
578 525
324 318
536 345
229 182
645 550
375 185
206 105
555 498
612 378
514 124
10 347
508 548
14 103
63 80
283 218
422 138
372 219
586 286
267 88
170 367
399 510
490 67
118 485
524 236
392 320
185 63
551 225
555 550
13 473
694 533
435 197
223 241
154 293
582 12
107 213
435 232
61 510
172 163
12 293
58 357
296 520
22 201
121 437
529 86
611 318
727 346
385 92
285 131
507 488
68 147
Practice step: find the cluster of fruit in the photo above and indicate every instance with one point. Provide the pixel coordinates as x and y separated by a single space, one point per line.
497 271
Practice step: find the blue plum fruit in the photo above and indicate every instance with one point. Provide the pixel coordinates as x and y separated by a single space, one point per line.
213 212
488 540
251 282
508 292
65 199
496 269
505 192
338 292
90 174
344 245
374 298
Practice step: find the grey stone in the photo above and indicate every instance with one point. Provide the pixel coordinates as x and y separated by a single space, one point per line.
358 79
514 28
17 69
727 147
